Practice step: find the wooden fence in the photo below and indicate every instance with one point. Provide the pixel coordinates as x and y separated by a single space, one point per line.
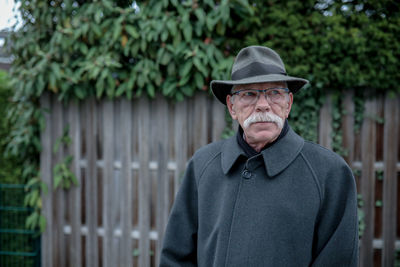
129 157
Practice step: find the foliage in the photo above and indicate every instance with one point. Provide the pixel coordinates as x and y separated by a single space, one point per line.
63 176
10 171
35 188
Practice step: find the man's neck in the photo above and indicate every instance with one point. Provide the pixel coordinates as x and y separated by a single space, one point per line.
257 146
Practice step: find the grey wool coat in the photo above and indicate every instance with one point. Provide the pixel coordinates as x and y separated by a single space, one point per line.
294 204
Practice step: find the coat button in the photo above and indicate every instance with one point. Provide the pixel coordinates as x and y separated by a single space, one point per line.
246 174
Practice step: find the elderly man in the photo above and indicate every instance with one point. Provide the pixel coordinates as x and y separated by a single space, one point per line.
264 197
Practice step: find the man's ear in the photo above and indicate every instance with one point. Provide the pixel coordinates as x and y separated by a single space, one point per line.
231 107
289 105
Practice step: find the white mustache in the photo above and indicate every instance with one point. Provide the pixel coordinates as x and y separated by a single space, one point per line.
263 117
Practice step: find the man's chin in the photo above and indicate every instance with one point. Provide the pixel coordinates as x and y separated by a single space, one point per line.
264 126
263 132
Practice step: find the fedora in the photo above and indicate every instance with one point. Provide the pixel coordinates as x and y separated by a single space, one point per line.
256 64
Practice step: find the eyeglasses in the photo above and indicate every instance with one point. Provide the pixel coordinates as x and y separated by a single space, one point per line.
251 96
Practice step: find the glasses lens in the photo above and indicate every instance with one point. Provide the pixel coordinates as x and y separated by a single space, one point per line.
276 95
250 96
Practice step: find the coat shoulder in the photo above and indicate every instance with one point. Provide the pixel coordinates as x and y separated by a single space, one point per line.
329 168
318 154
206 154
208 151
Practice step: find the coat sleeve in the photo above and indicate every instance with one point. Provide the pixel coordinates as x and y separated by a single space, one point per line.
336 234
180 239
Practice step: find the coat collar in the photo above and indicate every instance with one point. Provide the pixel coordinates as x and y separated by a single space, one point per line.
276 157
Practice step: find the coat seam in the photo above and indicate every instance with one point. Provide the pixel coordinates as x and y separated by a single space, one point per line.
315 179
205 167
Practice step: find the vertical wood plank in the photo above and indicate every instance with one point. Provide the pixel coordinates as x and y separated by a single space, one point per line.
126 173
75 251
144 183
162 172
46 176
108 157
180 141
368 150
57 118
200 121
390 155
218 119
325 123
348 127
91 185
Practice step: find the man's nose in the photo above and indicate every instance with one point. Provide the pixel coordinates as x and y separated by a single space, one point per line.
262 102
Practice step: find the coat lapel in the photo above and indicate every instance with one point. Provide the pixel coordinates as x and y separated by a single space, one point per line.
279 156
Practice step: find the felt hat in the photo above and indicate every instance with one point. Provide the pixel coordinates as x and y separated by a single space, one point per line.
256 64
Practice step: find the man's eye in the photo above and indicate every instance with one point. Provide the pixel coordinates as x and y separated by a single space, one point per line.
249 93
274 92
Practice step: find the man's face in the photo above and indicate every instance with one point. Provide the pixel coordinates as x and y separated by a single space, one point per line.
258 134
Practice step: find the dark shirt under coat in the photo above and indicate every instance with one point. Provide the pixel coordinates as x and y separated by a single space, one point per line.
293 204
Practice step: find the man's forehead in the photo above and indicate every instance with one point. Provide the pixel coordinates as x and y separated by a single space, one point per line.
265 85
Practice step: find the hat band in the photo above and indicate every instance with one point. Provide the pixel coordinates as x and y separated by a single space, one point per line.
257 69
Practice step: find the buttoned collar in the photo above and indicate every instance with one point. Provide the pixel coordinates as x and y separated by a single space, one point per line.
276 157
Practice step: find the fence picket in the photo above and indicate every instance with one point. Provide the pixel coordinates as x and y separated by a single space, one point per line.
391 131
91 185
75 255
162 171
126 174
47 251
180 141
144 183
348 127
108 169
368 154
218 119
325 123
59 194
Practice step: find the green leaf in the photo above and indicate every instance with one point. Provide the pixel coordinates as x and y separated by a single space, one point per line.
199 80
132 31
200 14
185 69
172 27
200 66
42 223
165 58
57 181
187 90
187 32
150 90
168 88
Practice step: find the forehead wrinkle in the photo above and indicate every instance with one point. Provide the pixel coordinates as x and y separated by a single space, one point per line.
266 85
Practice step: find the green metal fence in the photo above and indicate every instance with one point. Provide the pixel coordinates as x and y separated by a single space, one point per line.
18 246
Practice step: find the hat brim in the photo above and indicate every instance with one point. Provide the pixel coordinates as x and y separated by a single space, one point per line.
221 88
